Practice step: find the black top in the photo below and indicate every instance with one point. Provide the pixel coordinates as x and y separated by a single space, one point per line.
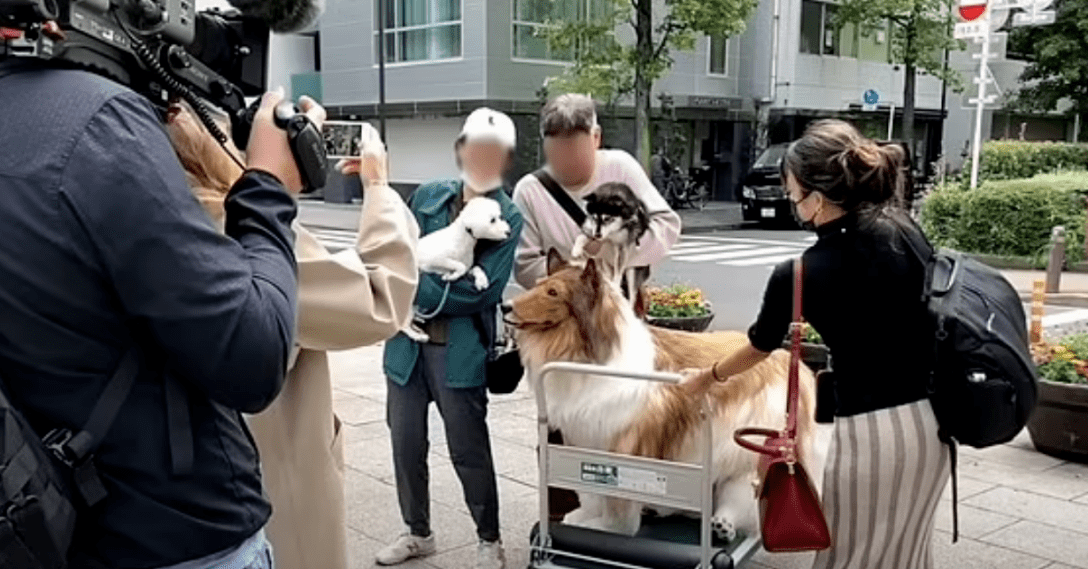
103 245
862 292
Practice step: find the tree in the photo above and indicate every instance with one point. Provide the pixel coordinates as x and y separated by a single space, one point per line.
611 69
921 31
1059 60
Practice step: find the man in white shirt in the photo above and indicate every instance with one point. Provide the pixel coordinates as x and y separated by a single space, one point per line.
572 140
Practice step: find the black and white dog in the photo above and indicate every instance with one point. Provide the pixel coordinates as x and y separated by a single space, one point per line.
616 219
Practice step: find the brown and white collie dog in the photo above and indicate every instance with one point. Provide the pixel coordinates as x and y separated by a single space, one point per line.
575 314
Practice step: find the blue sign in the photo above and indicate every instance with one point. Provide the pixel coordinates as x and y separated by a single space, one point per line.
871 97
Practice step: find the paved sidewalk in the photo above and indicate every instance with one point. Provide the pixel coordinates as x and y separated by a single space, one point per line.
1019 509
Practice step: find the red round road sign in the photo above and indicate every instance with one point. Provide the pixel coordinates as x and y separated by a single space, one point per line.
971 10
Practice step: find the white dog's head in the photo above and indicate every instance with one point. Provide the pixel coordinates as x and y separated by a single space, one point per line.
483 219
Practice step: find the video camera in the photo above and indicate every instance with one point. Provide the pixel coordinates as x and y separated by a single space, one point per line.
164 49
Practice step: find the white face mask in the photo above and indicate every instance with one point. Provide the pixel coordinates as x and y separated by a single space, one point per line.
481 186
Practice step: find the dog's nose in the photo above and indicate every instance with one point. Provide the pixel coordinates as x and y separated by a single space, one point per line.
506 307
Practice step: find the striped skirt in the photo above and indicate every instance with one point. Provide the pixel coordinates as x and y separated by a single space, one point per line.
885 473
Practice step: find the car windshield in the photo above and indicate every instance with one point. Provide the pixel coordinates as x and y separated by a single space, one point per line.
771 157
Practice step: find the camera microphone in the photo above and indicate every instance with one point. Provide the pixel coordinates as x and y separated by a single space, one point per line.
282 16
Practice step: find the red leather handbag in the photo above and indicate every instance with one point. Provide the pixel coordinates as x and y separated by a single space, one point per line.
791 518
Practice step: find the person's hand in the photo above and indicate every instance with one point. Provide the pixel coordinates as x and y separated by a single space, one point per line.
372 165
696 382
268 149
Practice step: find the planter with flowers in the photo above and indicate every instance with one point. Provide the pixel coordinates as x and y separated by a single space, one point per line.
814 352
680 307
1059 425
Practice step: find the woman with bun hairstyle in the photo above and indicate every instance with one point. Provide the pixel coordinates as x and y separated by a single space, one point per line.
886 467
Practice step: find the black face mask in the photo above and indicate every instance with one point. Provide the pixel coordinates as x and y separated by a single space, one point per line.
807 225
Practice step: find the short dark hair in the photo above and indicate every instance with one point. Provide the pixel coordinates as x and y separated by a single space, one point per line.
567 115
857 173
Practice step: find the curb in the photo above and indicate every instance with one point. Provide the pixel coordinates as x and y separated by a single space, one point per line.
708 228
1069 300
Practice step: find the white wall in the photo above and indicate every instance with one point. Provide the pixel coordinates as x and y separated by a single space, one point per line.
287 55
421 150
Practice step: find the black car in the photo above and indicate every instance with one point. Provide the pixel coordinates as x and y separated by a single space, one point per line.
762 194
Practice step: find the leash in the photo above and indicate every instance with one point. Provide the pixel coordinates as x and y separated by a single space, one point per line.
441 305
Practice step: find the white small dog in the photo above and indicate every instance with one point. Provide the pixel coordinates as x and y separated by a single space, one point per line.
449 251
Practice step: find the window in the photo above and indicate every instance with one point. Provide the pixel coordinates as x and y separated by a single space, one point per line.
531 17
421 30
818 32
718 63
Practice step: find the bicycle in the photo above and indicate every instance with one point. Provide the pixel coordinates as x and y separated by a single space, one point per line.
690 191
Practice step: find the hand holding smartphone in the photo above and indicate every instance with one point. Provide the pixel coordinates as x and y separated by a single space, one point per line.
359 148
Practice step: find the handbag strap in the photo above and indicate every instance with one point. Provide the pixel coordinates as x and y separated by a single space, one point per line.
794 393
561 196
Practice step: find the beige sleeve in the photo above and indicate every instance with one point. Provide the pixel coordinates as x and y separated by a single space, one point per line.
530 260
359 297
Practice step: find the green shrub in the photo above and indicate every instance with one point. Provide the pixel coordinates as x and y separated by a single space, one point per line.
1078 344
1010 217
1060 371
1010 160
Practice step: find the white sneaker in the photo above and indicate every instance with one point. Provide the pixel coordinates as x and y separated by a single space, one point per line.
406 547
489 555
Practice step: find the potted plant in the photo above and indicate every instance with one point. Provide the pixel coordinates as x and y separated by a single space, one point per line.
1059 425
680 307
814 352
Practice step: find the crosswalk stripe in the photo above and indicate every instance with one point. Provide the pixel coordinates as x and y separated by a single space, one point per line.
771 260
751 252
708 253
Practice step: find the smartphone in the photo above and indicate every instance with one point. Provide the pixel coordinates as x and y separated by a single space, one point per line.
342 138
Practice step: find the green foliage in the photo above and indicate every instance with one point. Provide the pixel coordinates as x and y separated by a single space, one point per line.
1059 68
811 335
1008 160
1061 371
1078 344
921 30
1010 217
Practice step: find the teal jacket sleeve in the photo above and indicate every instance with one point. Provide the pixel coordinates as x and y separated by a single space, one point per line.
497 263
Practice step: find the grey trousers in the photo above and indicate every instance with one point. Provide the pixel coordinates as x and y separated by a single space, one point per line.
464 413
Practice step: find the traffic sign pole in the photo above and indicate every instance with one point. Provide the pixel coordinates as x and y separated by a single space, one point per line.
980 105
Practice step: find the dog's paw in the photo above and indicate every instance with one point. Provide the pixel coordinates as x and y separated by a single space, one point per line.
479 278
723 529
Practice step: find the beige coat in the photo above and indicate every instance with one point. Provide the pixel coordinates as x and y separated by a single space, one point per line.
346 300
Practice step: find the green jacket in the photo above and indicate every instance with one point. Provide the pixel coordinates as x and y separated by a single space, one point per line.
467 347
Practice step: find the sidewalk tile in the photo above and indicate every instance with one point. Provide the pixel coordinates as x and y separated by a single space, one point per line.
1056 482
1048 542
967 487
366 432
1058 566
513 428
972 554
974 522
357 410
1021 458
784 560
1033 507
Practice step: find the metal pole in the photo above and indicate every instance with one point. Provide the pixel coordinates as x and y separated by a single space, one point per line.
381 69
891 121
1056 261
980 106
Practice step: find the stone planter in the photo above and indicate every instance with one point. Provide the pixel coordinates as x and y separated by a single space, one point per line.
1059 425
687 324
815 356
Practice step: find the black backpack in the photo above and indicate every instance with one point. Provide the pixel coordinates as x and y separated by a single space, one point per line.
38 476
983 383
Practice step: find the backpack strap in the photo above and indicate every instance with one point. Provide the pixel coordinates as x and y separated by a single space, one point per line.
74 450
561 196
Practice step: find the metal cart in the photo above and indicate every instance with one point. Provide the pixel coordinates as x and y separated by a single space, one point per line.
676 542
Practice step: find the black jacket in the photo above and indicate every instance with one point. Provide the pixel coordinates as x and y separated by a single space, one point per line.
103 246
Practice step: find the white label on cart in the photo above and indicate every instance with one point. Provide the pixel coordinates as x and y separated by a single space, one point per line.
636 479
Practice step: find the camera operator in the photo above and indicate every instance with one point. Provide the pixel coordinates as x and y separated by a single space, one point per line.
103 250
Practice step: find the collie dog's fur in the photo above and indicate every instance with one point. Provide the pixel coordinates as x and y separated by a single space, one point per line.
576 315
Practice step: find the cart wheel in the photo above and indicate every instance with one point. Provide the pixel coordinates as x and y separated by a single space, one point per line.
698 196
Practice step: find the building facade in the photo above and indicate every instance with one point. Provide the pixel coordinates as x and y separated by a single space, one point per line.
724 99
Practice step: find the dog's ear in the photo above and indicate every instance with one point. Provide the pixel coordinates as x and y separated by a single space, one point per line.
556 262
591 276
